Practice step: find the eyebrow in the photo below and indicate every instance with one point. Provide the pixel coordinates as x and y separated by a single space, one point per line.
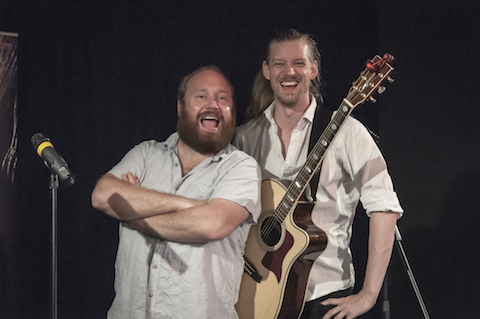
283 60
206 91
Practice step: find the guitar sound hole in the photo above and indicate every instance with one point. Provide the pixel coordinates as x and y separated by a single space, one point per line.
271 231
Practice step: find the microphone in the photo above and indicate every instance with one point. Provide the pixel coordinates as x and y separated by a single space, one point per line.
57 165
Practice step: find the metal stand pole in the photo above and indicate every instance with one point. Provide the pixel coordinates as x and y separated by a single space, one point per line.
398 240
53 188
386 302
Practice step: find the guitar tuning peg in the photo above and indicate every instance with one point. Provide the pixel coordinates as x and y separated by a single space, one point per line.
381 89
371 66
372 99
389 79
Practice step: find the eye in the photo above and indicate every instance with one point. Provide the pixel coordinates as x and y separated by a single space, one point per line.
223 98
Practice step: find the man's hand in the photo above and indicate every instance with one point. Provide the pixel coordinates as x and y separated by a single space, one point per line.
380 245
349 307
125 199
129 177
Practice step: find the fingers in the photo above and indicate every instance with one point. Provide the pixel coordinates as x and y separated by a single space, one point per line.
332 301
130 178
336 312
347 307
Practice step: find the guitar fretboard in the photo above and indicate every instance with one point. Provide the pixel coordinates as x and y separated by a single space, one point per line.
313 162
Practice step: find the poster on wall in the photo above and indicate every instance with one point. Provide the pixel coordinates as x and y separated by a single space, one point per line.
8 156
8 105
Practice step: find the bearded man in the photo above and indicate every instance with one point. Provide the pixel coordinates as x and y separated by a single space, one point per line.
185 207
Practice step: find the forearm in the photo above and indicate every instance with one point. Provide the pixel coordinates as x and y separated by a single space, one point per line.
199 224
380 245
126 201
182 226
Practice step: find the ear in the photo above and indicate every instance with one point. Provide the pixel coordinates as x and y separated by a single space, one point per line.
179 107
314 71
266 71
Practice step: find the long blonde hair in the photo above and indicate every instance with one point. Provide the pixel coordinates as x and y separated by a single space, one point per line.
262 94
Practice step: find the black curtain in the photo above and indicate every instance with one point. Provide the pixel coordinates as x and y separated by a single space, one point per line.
98 77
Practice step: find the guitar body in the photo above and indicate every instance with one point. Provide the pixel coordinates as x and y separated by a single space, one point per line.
283 260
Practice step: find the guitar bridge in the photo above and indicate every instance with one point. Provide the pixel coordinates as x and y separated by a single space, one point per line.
251 270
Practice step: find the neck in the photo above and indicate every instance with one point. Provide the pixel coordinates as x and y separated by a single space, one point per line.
189 158
287 116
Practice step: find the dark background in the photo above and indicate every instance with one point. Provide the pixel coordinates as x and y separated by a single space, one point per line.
98 77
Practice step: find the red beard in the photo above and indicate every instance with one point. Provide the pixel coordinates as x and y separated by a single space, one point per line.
205 143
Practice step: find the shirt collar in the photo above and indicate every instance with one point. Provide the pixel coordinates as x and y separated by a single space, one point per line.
172 140
308 115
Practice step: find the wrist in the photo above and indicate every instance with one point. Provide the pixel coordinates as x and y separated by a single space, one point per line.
370 295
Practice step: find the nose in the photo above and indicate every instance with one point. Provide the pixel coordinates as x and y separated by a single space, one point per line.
213 103
290 70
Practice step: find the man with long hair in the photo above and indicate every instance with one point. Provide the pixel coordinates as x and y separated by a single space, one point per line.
286 97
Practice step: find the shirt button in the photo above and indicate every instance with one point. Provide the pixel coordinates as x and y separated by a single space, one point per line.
154 266
150 295
176 164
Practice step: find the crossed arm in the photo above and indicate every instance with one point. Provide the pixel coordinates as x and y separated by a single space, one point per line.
166 216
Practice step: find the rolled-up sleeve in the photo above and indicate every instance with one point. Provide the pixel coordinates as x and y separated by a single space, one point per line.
368 169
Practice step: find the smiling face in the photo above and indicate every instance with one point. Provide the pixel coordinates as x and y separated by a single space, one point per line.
290 70
206 119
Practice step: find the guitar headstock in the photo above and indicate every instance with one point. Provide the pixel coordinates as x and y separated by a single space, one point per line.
377 71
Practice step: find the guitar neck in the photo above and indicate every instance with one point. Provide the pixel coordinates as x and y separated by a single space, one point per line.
317 154
314 161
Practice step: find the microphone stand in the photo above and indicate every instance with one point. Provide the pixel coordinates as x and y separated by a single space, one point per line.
398 240
54 190
58 168
406 264
386 302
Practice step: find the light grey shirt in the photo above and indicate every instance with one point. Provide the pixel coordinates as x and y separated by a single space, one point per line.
353 170
162 279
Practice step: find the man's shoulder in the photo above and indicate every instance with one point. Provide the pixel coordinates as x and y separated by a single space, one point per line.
233 157
354 131
350 123
149 146
259 121
234 153
252 128
154 145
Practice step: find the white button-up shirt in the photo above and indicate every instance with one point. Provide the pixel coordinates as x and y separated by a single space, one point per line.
161 279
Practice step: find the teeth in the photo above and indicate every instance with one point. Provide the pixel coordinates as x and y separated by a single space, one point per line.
288 83
211 118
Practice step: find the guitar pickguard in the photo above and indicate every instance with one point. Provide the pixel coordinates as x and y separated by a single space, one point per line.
273 260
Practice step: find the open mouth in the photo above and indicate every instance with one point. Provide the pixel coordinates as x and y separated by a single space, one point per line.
210 123
289 85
